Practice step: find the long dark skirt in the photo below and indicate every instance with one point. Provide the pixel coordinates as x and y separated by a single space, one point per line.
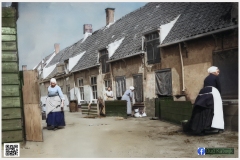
55 119
201 119
203 111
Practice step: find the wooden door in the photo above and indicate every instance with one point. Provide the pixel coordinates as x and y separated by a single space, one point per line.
227 62
138 85
120 86
32 108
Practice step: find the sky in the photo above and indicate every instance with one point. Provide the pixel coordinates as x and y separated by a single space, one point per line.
42 24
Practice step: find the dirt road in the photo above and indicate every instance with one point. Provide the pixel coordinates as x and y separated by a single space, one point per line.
127 138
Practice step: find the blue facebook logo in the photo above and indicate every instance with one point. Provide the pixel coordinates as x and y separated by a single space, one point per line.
201 151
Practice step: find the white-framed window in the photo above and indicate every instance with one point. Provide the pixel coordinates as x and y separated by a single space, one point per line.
66 66
94 86
108 83
81 88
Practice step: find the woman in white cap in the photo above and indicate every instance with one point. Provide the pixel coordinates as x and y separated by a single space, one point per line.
207 113
54 106
128 95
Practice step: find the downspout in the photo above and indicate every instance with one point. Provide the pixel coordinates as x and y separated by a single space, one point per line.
111 72
180 52
143 38
143 58
74 85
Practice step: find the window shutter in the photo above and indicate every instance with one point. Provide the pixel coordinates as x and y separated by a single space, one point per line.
150 57
163 83
120 86
104 59
156 52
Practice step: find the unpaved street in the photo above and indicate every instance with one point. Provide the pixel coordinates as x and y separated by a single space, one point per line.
128 138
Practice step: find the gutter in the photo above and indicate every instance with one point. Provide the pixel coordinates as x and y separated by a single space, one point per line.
86 68
61 76
141 52
198 36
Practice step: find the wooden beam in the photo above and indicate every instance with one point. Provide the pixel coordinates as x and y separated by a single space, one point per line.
9 57
8 12
10 90
9 102
7 31
9 46
10 67
33 122
11 113
30 86
10 78
13 124
9 38
12 136
9 22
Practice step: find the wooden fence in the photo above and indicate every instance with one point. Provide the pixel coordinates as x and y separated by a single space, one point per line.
12 117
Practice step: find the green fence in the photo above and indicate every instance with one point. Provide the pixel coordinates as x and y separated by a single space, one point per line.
116 108
173 111
12 112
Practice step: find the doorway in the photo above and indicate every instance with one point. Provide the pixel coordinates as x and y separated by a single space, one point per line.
138 85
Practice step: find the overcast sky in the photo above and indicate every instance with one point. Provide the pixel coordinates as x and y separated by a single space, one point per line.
40 25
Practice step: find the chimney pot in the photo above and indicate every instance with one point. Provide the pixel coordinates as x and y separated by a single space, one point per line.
24 67
109 15
87 28
56 47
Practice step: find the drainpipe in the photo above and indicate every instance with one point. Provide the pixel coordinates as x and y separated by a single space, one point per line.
111 72
180 52
143 38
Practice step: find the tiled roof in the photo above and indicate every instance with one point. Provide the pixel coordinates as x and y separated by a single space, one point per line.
131 26
44 60
199 18
195 19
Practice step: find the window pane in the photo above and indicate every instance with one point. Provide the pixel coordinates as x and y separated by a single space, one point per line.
106 83
150 55
95 80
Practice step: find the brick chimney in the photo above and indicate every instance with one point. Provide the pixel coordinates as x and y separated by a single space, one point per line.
56 47
109 15
24 67
87 28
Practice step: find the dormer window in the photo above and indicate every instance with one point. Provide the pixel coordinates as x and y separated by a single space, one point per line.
151 43
60 68
103 58
66 66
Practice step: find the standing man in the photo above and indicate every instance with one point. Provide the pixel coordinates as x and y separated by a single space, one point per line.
128 95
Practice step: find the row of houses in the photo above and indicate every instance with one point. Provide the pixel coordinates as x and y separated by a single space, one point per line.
162 49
